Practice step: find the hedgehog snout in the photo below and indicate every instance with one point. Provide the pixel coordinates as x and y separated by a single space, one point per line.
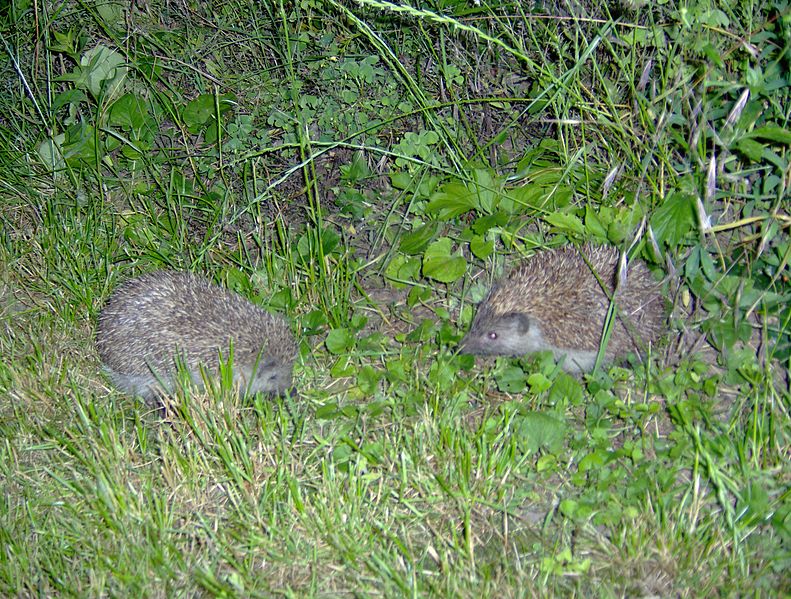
506 334
273 379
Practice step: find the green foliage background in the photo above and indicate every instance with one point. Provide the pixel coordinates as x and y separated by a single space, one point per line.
368 168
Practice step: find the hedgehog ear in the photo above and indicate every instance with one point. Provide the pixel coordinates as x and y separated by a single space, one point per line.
518 320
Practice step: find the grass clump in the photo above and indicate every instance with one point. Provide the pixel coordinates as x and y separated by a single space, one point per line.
359 167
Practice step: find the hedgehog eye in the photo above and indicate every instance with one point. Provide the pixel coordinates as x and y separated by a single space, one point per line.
492 335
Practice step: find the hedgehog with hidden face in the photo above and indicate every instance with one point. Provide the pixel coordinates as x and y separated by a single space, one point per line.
158 319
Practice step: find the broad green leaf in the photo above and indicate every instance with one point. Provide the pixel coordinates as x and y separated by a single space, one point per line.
401 179
511 380
445 269
566 388
439 265
198 112
539 430
102 69
70 96
480 247
111 13
368 379
530 196
773 133
129 112
339 340
416 240
674 219
749 147
402 269
81 145
451 200
538 382
441 247
566 222
484 189
51 153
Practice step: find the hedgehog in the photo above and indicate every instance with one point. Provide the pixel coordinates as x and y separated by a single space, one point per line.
554 302
158 320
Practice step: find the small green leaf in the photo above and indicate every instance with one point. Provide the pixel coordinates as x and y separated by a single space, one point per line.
129 112
538 382
511 380
566 222
530 196
481 248
546 462
674 219
401 180
566 388
328 411
339 341
423 332
490 221
343 367
749 147
368 379
81 145
70 96
50 151
595 459
452 200
439 265
314 322
594 224
401 270
773 133
198 112
568 507
445 269
102 70
416 241
356 170
442 375
539 430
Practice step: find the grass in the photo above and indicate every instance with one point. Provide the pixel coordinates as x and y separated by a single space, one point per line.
368 169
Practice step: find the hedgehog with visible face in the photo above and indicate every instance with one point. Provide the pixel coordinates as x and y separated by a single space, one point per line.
554 302
158 319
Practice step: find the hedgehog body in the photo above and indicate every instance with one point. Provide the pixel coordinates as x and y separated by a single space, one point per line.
553 301
158 320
